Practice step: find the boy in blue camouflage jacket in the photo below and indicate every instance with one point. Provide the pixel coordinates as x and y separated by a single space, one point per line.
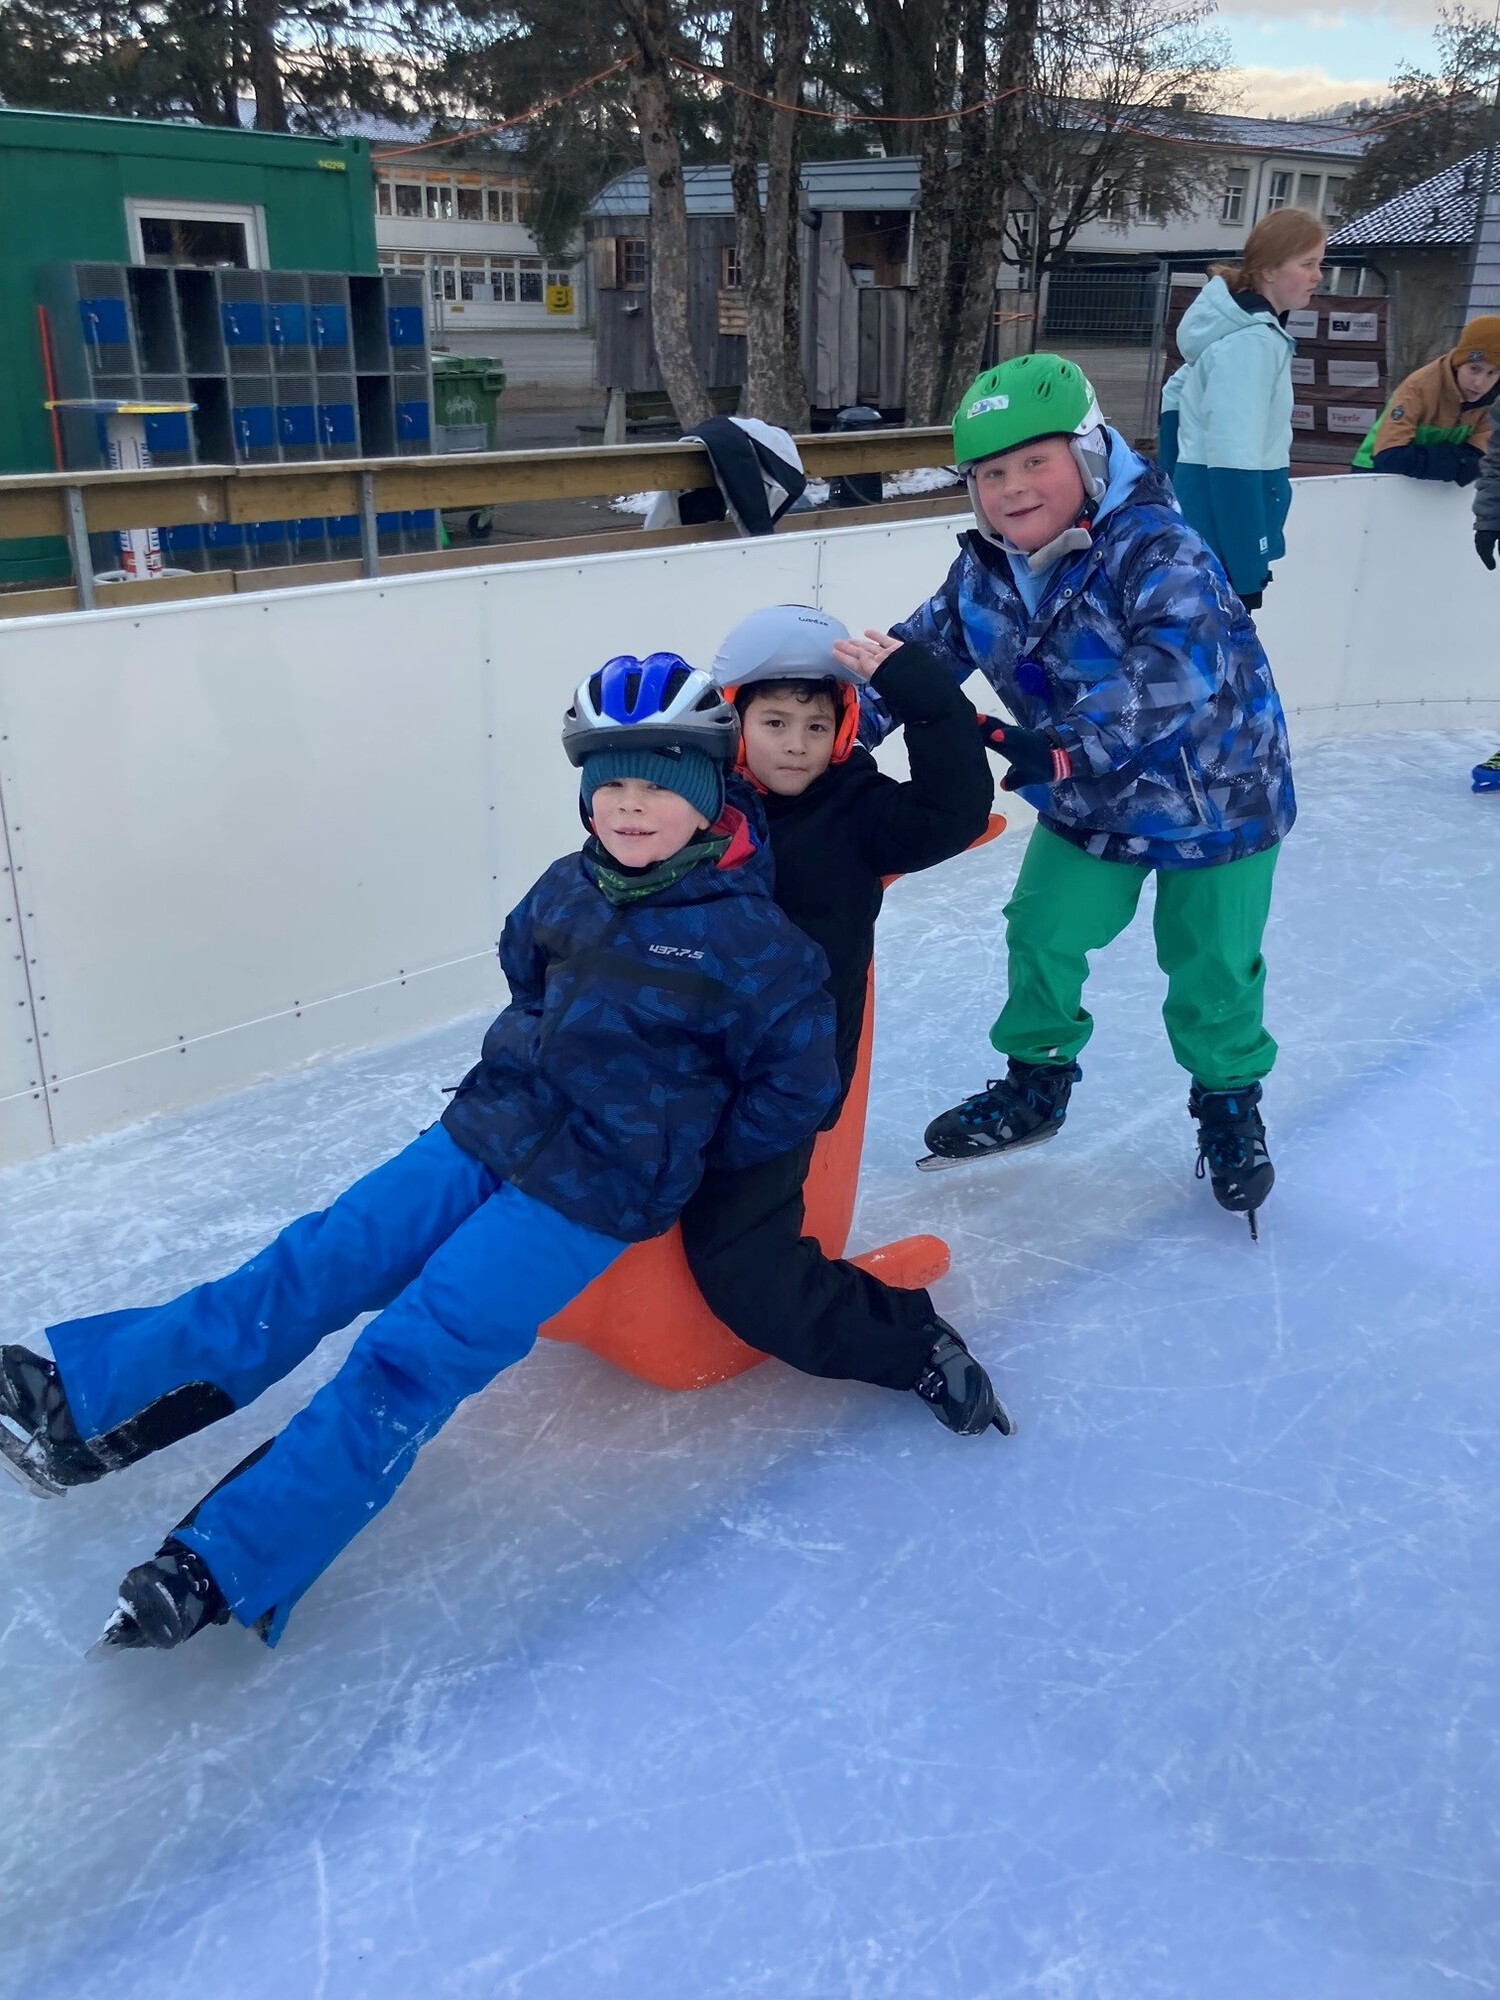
663 1013
1149 736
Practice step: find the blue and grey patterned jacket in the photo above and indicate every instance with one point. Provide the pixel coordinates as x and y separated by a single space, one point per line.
1142 660
642 1040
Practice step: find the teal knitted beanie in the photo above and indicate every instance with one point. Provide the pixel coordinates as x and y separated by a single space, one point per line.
685 771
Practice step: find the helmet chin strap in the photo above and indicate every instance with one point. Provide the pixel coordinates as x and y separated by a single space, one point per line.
1091 456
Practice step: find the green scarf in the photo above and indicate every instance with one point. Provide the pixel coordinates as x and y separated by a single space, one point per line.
621 885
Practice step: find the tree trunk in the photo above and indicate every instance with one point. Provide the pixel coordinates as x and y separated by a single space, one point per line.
766 236
974 303
265 69
649 23
934 232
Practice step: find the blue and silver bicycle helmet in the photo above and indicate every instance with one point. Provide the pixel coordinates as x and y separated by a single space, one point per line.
658 703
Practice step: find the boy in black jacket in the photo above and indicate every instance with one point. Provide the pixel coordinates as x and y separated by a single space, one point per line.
838 825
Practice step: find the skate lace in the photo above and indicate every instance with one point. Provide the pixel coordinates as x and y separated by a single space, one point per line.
1227 1149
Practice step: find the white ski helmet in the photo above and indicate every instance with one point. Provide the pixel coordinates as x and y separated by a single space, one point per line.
781 642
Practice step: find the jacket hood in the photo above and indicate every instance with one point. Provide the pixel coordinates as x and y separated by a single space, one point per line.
1214 315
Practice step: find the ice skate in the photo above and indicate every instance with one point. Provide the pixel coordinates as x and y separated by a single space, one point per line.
1232 1148
1023 1108
39 1443
162 1603
957 1390
1486 776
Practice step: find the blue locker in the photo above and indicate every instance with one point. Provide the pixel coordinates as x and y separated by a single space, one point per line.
168 433
290 324
413 423
105 323
254 427
244 323
296 426
336 426
405 326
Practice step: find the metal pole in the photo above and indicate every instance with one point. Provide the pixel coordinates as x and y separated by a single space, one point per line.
369 534
78 543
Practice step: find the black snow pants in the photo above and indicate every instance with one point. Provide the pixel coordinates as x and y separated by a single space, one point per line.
773 1286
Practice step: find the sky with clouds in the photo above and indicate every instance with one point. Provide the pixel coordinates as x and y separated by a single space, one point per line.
1300 55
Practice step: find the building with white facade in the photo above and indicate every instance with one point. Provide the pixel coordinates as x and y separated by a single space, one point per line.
460 215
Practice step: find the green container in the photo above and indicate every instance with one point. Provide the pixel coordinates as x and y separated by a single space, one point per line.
466 391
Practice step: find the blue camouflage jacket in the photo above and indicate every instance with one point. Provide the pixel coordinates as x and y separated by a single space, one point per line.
1145 664
642 1041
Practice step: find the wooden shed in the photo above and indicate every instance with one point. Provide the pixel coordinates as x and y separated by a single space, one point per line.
856 252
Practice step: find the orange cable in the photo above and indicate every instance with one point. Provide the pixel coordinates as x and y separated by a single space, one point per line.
503 124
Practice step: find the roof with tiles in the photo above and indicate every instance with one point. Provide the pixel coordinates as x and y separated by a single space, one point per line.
1436 213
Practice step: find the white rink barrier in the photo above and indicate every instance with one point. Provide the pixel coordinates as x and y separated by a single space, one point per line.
246 832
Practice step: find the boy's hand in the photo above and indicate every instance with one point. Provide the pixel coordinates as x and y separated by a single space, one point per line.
864 656
1035 756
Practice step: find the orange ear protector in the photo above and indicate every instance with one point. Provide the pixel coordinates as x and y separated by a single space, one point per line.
845 736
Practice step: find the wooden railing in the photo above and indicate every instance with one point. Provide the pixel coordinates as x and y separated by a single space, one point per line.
74 505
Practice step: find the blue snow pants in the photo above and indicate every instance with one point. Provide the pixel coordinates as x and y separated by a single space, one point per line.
462 1269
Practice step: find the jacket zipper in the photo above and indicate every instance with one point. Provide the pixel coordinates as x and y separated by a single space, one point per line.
1193 785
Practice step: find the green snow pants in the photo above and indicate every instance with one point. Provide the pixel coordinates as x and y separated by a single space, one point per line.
1209 923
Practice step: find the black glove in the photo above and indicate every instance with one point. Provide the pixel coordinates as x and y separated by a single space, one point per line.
1484 546
1035 756
1469 461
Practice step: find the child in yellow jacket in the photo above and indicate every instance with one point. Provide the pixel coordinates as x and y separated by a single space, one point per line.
1437 424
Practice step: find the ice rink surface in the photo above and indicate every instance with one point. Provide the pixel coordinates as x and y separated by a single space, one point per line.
779 1692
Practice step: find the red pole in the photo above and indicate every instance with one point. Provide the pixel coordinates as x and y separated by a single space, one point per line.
51 380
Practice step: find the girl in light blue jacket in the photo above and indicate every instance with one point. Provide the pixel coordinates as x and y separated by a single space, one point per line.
1226 415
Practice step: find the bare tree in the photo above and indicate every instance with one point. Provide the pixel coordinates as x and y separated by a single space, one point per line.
1119 86
766 236
649 23
984 62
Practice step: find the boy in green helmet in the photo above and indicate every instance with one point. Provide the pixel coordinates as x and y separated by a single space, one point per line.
1149 736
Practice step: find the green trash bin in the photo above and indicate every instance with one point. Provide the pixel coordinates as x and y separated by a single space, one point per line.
466 391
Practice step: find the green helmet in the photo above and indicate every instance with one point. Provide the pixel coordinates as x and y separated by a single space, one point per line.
1032 396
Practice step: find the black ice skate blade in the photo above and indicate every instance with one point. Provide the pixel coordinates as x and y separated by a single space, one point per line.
17 1457
120 1635
936 1163
1003 1421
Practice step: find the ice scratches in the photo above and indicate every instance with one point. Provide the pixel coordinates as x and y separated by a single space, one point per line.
779 1692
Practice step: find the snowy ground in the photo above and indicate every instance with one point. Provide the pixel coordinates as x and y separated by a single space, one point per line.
1189 1692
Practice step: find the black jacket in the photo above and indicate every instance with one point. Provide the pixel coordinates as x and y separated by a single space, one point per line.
854 825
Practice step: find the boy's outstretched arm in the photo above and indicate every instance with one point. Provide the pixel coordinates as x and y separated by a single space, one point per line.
937 626
788 1078
945 805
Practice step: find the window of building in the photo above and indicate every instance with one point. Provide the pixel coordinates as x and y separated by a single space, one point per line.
206 234
1113 204
470 203
476 280
729 268
1280 192
408 198
633 263
1232 207
1333 196
440 201
382 196
1309 191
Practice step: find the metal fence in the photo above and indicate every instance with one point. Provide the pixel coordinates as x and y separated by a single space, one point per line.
1111 320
